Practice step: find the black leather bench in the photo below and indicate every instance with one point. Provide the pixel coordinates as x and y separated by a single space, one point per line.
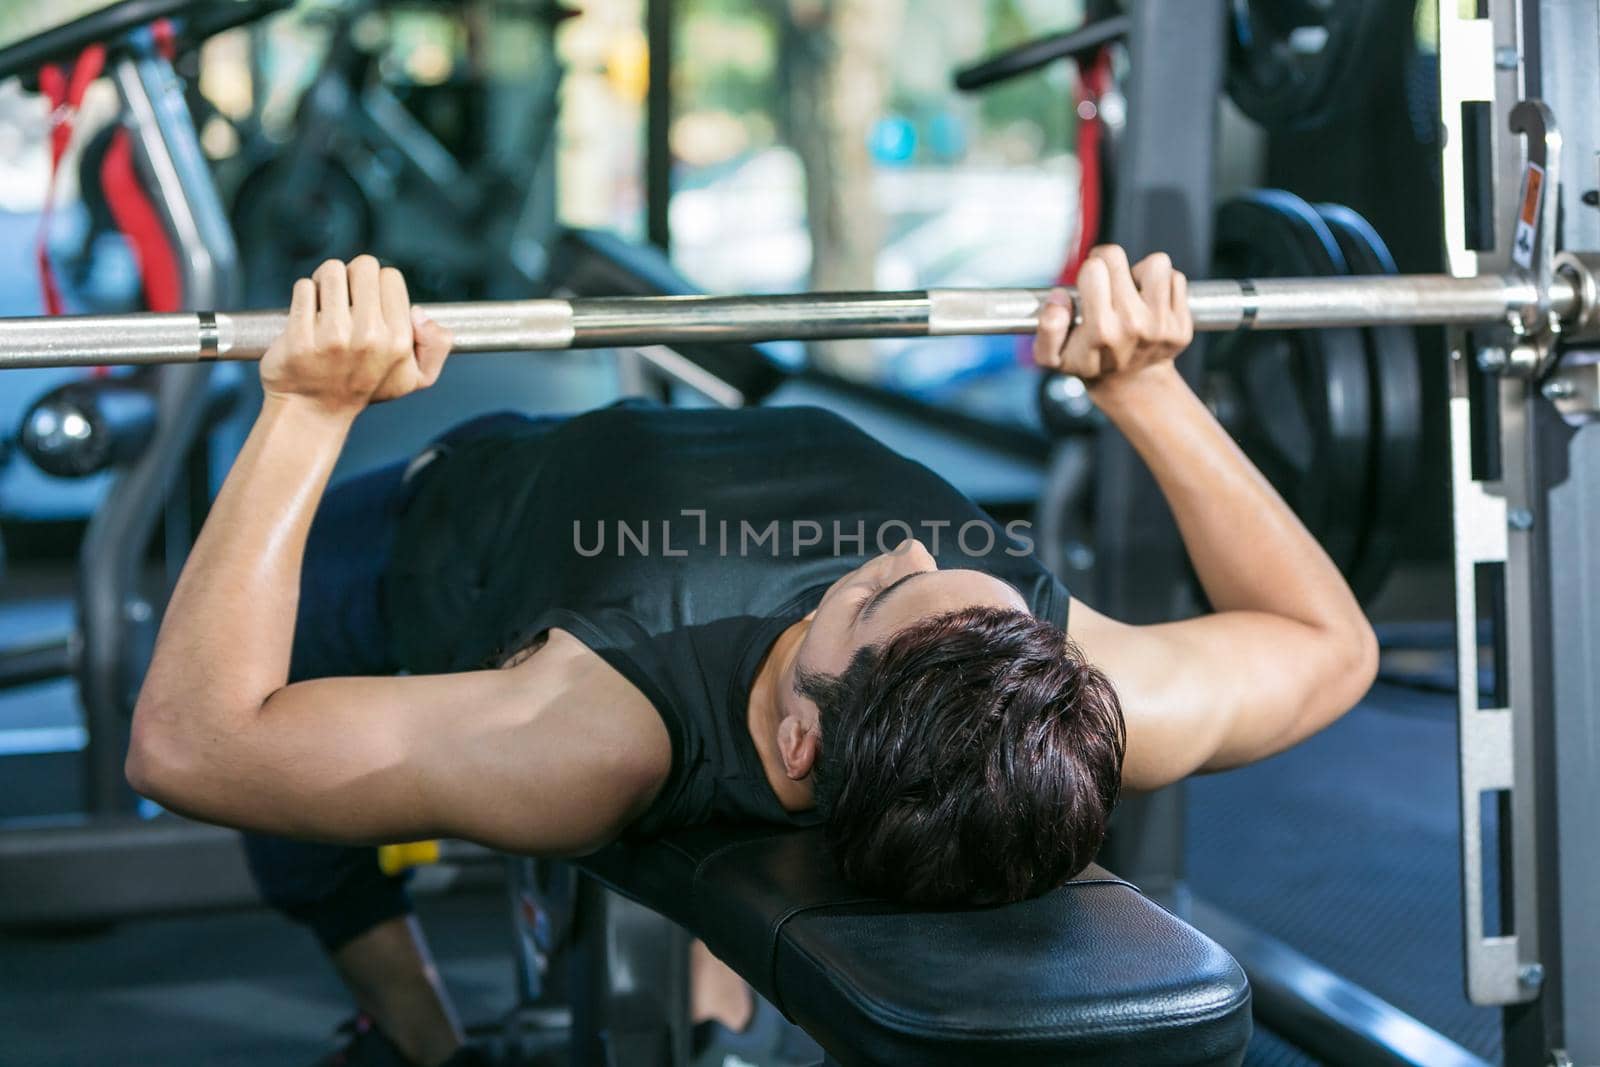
1093 973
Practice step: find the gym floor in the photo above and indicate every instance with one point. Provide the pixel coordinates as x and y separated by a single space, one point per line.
1347 848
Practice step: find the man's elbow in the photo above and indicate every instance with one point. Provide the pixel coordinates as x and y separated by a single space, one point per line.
1355 663
1365 666
156 765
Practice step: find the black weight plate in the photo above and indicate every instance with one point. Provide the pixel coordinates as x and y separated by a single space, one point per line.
285 232
1395 462
1298 64
1298 402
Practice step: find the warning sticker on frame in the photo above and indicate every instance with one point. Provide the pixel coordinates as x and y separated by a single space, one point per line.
1528 216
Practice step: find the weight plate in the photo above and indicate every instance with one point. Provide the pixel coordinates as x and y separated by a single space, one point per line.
284 231
1301 64
1298 402
1395 459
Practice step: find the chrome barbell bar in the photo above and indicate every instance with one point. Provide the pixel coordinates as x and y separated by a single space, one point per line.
617 322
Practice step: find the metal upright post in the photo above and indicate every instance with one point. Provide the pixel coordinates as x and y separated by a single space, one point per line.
1531 511
1560 971
109 606
1163 202
658 125
630 982
1569 741
1568 744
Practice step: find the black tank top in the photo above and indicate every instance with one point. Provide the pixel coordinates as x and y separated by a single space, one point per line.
677 545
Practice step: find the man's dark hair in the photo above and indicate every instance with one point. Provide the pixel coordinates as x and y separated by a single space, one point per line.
972 758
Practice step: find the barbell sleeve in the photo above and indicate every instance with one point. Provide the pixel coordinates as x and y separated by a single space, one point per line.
619 322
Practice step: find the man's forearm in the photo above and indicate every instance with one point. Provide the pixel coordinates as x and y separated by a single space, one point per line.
1248 549
1287 650
227 632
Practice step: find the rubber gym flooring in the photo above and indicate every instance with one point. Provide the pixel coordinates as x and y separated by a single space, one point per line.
1347 849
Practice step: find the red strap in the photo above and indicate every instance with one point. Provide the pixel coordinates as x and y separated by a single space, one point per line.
65 93
166 38
1094 81
141 224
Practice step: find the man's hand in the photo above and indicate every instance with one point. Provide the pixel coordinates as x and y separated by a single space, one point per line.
353 339
1131 320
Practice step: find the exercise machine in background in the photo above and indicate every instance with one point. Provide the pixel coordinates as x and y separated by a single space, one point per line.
154 425
459 227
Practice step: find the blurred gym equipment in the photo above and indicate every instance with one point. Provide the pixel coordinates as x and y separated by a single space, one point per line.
148 430
356 144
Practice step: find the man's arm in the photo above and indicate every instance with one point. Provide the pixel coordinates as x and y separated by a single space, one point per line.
217 734
1288 649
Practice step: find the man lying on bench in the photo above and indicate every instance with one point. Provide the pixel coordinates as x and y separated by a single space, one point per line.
640 618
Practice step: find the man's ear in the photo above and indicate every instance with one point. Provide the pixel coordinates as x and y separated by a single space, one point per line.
797 747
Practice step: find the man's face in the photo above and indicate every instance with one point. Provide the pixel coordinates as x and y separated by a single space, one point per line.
886 594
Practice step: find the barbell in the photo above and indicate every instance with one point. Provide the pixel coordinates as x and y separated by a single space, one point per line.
1566 301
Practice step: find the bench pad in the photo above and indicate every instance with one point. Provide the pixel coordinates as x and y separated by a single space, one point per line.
1092 973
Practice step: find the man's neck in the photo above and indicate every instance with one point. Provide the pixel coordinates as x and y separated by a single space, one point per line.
766 711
